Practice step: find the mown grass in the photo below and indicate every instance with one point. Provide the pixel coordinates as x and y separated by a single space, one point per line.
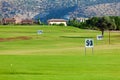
53 67
57 54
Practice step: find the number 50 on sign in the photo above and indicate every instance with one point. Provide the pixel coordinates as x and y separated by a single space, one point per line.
89 43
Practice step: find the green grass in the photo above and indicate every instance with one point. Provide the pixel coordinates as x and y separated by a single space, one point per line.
60 67
57 54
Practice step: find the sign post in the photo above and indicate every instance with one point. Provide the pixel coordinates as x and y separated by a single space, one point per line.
89 43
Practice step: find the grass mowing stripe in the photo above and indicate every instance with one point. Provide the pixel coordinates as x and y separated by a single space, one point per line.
65 66
57 54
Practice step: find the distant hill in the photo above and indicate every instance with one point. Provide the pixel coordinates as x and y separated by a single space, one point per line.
46 9
105 9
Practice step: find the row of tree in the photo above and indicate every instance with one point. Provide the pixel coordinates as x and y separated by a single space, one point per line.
98 23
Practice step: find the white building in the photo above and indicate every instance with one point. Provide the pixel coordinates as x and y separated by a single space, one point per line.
57 21
81 19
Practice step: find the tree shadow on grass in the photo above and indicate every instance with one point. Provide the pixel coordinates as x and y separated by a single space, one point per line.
23 73
75 37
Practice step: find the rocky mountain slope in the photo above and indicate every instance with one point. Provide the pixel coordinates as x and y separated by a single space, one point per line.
46 9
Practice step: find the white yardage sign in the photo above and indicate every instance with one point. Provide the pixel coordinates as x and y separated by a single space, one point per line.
99 37
39 32
89 43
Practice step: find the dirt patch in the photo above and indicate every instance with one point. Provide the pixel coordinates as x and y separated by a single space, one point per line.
2 39
15 38
24 37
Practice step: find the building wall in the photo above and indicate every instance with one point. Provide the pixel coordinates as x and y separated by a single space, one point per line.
82 19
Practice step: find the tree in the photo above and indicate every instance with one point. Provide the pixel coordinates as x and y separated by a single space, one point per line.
105 23
74 22
39 21
91 22
102 23
117 21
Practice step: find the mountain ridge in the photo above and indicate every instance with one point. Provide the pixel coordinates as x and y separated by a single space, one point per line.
46 9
